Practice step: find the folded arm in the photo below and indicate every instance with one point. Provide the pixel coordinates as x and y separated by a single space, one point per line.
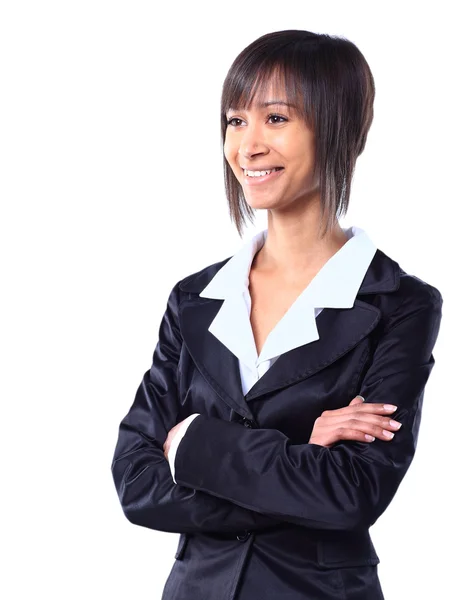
347 486
142 477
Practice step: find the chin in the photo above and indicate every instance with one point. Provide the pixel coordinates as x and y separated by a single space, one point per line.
261 204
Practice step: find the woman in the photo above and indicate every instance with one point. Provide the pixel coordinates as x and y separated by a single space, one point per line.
249 435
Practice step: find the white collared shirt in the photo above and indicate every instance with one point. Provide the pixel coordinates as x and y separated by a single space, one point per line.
334 286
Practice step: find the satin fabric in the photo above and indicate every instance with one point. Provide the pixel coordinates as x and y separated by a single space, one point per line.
335 285
261 513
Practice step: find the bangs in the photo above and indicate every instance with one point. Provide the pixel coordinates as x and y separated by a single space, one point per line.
268 82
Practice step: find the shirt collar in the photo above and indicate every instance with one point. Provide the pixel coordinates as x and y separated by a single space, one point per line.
334 286
233 277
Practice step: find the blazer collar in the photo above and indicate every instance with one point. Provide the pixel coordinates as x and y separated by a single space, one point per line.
334 286
340 329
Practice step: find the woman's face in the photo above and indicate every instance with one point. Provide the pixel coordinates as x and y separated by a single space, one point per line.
270 136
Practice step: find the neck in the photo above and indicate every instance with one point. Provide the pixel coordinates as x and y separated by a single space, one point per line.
293 247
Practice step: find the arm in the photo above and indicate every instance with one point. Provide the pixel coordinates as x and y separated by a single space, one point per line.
344 487
141 473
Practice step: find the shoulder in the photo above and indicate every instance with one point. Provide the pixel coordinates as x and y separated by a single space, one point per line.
411 296
413 286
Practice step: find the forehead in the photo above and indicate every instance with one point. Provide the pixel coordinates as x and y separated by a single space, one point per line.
264 93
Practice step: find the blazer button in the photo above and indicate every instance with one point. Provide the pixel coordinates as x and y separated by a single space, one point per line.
247 423
242 537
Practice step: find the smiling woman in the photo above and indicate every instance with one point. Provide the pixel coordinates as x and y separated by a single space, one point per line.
249 435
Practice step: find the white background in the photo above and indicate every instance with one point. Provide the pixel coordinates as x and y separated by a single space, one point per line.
112 190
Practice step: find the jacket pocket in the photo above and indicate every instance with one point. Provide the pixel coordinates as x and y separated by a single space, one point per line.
352 551
183 539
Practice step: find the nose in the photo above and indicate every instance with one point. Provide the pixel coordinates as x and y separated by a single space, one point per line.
252 141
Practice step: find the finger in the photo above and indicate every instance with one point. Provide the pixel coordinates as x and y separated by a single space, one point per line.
369 418
356 400
348 433
331 437
366 407
355 425
385 433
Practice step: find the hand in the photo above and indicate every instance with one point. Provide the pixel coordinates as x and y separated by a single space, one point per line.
359 422
170 437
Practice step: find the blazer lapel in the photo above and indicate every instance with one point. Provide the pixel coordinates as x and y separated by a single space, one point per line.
340 330
213 359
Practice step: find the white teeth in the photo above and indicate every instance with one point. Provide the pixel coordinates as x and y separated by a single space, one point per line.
259 173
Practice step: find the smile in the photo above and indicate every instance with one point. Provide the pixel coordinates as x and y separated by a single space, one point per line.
258 179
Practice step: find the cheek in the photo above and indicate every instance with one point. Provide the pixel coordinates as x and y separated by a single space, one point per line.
296 149
305 162
299 146
229 150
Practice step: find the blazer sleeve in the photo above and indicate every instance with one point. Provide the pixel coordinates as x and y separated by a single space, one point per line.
142 477
343 487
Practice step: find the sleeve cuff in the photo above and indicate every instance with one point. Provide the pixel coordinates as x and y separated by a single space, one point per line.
176 441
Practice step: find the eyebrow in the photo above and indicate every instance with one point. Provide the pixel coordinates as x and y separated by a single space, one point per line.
264 104
269 103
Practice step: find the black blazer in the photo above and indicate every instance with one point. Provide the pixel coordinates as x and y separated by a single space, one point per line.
262 513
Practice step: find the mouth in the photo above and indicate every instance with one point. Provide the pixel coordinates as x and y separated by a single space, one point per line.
258 177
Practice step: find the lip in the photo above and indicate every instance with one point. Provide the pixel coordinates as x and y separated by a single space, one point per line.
263 179
261 168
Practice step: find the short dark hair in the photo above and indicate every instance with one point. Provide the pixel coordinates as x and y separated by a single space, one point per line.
335 87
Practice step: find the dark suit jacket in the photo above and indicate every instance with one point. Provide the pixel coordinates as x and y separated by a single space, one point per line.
262 513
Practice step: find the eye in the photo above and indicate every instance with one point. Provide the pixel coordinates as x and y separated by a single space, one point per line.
276 117
230 122
272 116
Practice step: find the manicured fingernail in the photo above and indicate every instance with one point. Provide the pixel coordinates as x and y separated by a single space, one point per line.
395 424
388 434
369 438
359 396
390 407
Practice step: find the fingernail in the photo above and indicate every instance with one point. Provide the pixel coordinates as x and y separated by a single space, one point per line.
369 438
395 424
388 434
359 396
390 407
